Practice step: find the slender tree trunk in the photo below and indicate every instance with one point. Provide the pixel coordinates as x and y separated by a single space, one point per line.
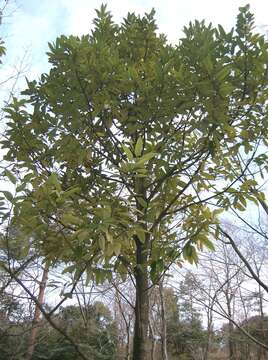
128 344
141 348
153 339
37 313
163 322
209 333
127 323
141 344
231 344
261 352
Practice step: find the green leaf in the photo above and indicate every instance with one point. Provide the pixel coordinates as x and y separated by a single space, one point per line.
68 295
117 248
11 177
141 234
101 241
145 158
89 276
208 244
244 134
109 236
21 187
217 232
190 254
260 196
181 183
142 202
138 147
126 167
128 152
223 73
24 251
68 219
83 234
100 276
8 196
157 267
239 206
71 191
221 30
68 269
109 250
53 179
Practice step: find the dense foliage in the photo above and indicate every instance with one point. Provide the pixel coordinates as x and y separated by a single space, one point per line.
126 132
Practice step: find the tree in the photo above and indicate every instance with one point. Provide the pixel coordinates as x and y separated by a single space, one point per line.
97 336
95 333
123 143
224 286
256 327
191 336
37 313
124 317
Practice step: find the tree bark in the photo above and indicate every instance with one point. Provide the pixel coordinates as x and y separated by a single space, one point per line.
231 341
37 313
141 345
163 322
153 339
141 349
261 352
231 344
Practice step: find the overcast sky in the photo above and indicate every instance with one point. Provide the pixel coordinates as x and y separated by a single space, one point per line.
35 23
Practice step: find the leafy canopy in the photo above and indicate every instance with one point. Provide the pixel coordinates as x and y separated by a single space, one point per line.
125 140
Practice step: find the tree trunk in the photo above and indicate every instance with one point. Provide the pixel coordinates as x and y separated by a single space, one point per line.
153 339
37 313
163 322
261 352
141 349
209 333
128 344
231 344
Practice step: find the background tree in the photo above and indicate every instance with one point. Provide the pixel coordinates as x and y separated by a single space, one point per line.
185 330
226 292
95 333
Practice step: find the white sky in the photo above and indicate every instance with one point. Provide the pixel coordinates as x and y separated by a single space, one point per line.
35 23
